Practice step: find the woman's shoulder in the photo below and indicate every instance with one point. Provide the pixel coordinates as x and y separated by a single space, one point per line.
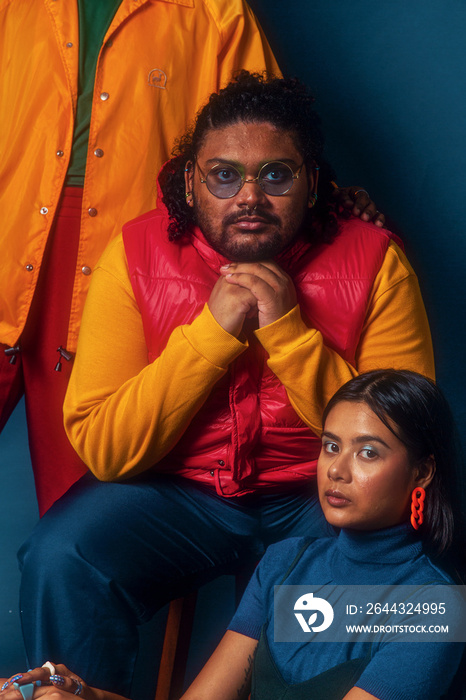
431 571
287 553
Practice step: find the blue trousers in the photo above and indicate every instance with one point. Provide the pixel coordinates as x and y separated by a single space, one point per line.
107 556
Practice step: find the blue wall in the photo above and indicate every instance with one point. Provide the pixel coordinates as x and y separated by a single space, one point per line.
390 80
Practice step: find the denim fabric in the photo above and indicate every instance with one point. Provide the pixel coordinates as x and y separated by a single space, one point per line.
107 556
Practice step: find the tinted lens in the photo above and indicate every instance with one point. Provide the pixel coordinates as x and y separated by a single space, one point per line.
223 181
276 178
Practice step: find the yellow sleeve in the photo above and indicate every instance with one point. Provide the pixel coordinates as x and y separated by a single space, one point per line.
243 43
123 414
395 334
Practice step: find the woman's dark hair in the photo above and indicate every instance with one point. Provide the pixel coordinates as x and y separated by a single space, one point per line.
254 98
416 411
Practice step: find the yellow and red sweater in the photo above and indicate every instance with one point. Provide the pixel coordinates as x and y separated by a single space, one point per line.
158 383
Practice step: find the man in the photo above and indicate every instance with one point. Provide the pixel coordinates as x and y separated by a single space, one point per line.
93 95
215 330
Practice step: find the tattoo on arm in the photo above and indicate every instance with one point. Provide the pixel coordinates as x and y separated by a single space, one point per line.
243 690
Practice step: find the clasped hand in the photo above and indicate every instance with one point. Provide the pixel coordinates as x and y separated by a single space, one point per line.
62 684
247 290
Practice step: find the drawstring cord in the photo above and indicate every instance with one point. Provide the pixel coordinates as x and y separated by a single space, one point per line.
64 355
12 353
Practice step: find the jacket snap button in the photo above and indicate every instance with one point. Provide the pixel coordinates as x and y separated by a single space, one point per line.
98 152
92 211
212 473
29 268
104 96
60 154
221 462
69 44
86 270
44 210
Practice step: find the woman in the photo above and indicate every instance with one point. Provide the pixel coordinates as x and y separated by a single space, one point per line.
386 434
388 439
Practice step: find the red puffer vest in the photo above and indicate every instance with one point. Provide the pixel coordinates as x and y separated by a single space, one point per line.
247 435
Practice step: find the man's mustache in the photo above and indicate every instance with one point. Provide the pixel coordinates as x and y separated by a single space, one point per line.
255 213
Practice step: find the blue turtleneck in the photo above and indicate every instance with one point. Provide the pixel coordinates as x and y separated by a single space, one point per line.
383 557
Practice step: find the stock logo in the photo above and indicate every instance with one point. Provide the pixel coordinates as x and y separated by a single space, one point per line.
310 604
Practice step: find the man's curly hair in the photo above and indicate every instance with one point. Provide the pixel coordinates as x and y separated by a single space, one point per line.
254 97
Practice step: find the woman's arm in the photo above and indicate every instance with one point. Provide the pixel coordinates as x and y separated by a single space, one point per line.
227 674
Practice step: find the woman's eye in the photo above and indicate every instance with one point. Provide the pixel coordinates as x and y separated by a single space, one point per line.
369 453
330 448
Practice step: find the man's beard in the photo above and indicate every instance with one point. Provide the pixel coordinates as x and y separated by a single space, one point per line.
221 241
234 251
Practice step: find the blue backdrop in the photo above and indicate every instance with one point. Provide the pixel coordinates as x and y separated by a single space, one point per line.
389 78
390 81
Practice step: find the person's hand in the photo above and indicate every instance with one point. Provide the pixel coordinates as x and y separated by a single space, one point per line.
230 305
272 289
357 200
62 684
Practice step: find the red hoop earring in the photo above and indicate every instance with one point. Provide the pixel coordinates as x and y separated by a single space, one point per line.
417 507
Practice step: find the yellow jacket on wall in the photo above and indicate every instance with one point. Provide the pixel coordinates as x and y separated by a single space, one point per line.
144 96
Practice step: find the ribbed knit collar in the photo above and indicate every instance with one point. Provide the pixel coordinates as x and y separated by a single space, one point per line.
389 546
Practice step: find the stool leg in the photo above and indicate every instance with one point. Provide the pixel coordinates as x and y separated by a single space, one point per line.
176 647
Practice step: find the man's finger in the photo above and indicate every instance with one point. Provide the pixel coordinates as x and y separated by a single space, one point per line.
362 201
268 271
258 286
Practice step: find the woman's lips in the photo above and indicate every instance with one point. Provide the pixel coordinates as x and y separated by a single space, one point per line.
336 498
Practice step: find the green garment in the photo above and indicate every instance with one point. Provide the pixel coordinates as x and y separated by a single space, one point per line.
95 18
